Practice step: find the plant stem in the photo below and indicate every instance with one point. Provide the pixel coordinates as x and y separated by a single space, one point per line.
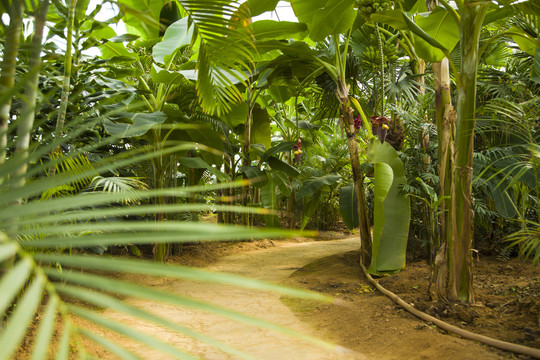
381 51
7 77
247 144
64 99
26 119
460 267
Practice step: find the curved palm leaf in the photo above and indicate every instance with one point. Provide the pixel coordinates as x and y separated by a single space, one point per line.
219 34
39 271
117 184
35 270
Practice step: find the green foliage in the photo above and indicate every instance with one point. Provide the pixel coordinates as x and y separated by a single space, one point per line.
348 206
133 124
324 18
269 200
260 128
311 191
528 241
177 35
269 29
391 209
442 26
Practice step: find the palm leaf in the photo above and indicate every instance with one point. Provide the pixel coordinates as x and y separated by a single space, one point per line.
36 230
528 240
61 223
54 281
117 184
225 54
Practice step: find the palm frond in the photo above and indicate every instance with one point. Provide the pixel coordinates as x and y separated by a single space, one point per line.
117 184
35 270
528 241
225 51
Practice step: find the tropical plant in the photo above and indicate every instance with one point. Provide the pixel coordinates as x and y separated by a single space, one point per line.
391 208
42 239
333 18
455 282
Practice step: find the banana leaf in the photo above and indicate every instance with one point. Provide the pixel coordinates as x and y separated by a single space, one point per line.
348 206
270 202
392 210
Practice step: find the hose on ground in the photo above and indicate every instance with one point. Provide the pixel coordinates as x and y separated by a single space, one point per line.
504 345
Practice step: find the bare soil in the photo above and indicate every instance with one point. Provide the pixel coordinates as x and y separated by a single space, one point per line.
364 323
506 308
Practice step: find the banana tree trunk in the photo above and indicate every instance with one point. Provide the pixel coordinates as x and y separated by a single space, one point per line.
420 70
7 77
446 129
458 260
347 123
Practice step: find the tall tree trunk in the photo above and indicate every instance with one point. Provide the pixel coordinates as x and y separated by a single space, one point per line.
7 77
64 99
347 123
446 129
458 259
26 119
246 161
445 116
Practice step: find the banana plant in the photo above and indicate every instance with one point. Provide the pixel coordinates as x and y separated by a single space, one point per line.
464 23
310 192
41 278
333 18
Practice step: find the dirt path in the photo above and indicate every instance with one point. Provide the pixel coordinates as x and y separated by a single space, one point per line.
273 264
367 322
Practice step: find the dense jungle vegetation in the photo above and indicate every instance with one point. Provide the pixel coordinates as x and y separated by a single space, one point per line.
414 123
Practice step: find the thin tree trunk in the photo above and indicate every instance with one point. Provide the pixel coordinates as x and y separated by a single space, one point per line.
347 122
246 161
64 99
229 216
26 119
421 69
7 77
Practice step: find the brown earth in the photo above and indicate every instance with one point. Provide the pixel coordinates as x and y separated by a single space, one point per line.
364 323
361 319
507 308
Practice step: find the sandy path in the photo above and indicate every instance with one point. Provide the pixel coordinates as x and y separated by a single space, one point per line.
273 264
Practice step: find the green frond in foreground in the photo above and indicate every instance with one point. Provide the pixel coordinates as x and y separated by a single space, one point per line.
46 267
528 241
